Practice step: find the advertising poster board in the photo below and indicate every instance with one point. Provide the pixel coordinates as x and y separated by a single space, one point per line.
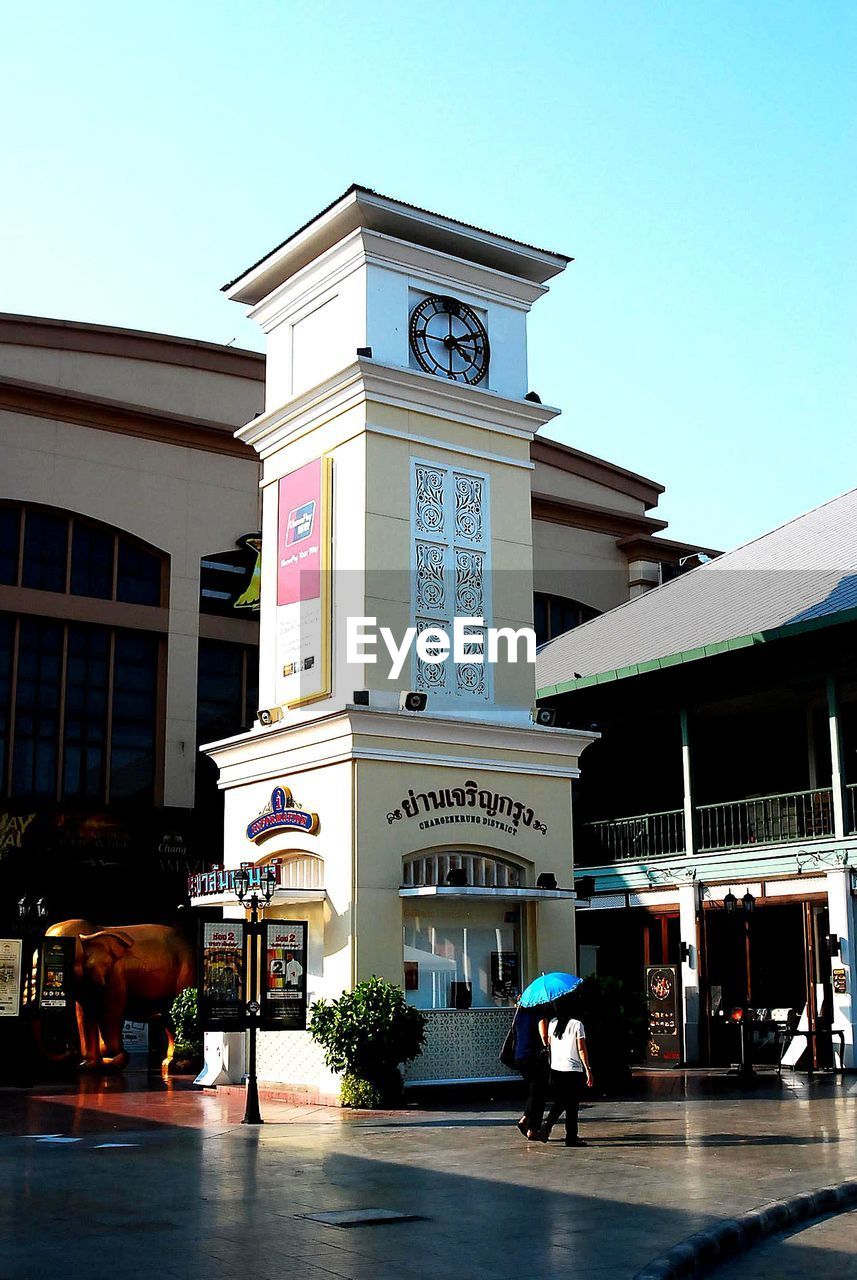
223 976
303 588
10 977
505 975
284 975
56 975
663 1015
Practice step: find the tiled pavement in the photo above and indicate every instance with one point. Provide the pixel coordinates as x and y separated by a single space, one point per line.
196 1195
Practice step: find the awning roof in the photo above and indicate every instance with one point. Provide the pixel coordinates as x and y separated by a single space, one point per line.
482 893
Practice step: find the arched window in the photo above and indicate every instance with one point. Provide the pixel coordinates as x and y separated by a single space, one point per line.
81 674
46 549
484 870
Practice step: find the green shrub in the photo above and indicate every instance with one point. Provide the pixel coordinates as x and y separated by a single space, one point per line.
366 1035
354 1092
184 1016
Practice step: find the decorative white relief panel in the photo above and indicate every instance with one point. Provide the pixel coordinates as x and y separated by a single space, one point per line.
462 1044
451 570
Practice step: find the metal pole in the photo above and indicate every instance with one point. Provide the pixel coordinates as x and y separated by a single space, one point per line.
252 1114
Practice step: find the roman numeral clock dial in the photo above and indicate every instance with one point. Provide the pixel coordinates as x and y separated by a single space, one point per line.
448 339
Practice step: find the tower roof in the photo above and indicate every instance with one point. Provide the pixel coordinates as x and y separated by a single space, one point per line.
360 207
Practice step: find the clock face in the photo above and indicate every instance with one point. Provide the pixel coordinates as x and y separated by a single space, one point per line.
448 338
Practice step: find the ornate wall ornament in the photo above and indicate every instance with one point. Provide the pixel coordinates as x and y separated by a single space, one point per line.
431 580
450 569
429 514
469 584
431 676
469 492
815 859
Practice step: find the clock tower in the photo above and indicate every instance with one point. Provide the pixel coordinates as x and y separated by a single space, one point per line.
425 804
397 367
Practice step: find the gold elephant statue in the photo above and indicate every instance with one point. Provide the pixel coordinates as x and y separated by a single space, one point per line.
131 971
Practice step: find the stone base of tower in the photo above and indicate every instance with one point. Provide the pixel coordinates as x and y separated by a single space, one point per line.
441 860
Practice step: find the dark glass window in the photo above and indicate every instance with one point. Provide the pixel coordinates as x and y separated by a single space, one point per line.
554 615
34 762
95 548
132 747
10 531
85 730
220 690
45 551
7 648
92 561
139 575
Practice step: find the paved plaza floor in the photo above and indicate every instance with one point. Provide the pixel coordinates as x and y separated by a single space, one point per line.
123 1178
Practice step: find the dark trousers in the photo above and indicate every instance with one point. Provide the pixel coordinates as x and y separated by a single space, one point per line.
566 1088
535 1071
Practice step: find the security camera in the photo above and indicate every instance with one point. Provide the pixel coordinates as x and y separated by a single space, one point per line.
413 701
269 715
545 716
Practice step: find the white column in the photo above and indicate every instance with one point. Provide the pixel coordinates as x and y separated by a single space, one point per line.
688 910
836 770
843 922
687 778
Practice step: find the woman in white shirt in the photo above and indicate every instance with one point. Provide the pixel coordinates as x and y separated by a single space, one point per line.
569 1059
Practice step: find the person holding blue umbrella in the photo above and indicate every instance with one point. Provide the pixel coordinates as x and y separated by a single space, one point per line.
569 1068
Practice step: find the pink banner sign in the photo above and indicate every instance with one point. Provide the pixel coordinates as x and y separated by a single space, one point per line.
299 535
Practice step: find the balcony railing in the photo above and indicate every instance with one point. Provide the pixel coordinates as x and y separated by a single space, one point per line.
777 819
851 811
797 815
647 835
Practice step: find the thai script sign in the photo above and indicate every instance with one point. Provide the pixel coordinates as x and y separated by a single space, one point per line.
221 880
282 814
222 976
284 980
10 977
472 804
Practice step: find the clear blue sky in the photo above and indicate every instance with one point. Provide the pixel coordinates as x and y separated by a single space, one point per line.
697 159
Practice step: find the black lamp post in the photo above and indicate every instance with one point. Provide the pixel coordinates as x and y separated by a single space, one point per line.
256 899
747 907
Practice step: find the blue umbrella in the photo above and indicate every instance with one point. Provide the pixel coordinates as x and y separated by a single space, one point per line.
550 986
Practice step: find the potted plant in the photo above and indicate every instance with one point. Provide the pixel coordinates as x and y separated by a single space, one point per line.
366 1035
184 1015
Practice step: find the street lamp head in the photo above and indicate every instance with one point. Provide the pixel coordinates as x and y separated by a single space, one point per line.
22 908
730 902
749 903
269 882
241 880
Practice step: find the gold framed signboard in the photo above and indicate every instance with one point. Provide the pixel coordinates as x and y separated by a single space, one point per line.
303 584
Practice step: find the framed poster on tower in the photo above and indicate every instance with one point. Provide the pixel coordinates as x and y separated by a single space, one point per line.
222 970
303 584
284 975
